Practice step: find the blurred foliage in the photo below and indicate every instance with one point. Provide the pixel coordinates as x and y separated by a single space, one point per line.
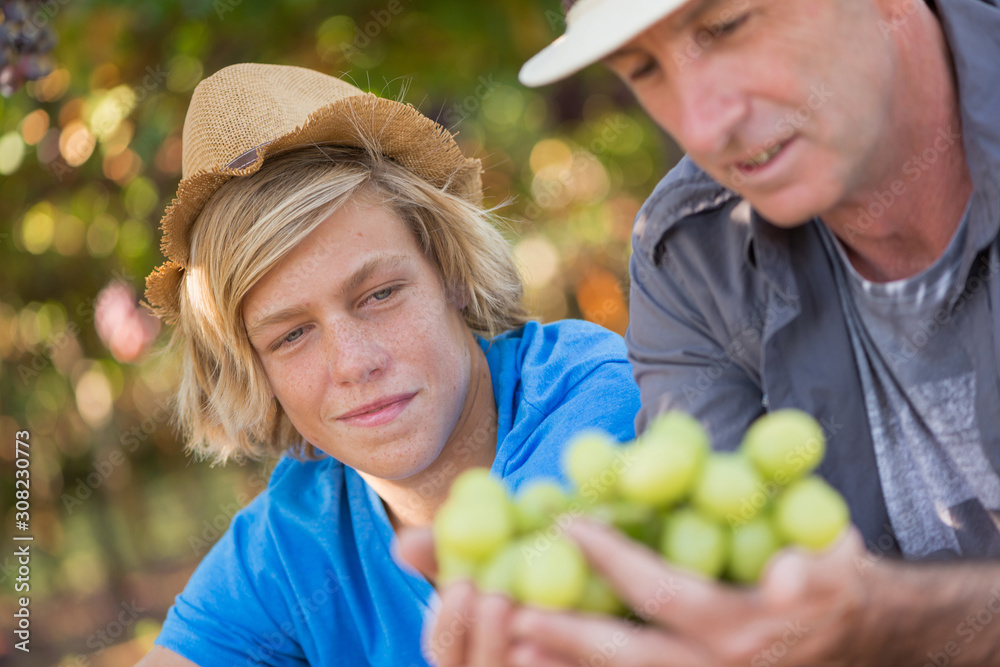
89 158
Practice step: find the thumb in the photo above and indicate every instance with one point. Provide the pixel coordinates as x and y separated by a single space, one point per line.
796 572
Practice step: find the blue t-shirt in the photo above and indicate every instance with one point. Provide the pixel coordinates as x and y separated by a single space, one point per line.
305 572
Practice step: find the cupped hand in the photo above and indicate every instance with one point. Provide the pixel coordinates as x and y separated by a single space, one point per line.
804 611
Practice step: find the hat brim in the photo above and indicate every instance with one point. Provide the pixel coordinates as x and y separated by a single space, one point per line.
596 33
395 129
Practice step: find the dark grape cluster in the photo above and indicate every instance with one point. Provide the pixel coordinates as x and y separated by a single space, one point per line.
26 42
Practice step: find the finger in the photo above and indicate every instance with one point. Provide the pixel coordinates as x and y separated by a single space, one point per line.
821 595
447 642
415 547
527 654
590 639
794 574
490 638
849 546
656 591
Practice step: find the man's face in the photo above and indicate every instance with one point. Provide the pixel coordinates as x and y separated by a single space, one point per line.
361 345
785 101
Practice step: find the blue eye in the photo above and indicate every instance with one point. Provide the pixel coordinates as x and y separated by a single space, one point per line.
288 338
382 294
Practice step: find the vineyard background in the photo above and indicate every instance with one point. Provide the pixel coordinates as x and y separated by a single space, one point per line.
89 158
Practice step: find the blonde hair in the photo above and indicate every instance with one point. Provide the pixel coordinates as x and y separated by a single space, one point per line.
251 223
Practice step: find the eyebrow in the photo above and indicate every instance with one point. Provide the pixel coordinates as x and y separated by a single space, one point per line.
371 266
693 12
685 17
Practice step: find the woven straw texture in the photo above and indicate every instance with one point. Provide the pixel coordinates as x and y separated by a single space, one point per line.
244 113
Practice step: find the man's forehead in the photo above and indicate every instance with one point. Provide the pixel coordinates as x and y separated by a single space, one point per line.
681 18
692 10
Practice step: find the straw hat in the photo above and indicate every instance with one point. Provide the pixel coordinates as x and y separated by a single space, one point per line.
244 113
594 29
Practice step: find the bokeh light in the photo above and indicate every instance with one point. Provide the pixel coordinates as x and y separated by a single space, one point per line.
11 152
34 126
76 143
90 156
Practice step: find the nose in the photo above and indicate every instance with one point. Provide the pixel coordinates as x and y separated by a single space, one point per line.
355 353
711 108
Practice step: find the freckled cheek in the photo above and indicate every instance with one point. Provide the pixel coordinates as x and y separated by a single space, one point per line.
435 349
298 387
423 326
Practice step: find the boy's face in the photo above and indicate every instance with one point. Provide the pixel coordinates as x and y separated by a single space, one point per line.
361 344
787 102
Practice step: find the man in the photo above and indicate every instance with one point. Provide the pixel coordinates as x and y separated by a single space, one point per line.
829 243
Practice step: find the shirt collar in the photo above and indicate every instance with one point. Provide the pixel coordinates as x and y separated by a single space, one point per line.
970 27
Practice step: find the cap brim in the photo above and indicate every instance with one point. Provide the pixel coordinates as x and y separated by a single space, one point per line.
596 33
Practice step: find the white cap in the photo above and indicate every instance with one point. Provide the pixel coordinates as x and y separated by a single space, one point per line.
594 29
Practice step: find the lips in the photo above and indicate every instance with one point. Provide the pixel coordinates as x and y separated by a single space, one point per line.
381 405
763 156
760 158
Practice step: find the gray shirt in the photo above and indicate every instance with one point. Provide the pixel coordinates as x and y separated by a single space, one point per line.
731 316
920 391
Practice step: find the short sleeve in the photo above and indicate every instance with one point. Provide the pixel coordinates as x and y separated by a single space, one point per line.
232 611
576 378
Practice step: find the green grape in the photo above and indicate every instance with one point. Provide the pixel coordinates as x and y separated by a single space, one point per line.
730 489
752 546
601 512
553 576
473 530
677 427
639 522
499 573
452 568
695 542
588 462
538 504
661 472
785 445
599 598
811 513
475 484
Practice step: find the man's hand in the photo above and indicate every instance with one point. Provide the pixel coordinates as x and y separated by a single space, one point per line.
840 607
804 610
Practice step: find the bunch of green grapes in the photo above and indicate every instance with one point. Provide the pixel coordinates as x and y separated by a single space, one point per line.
723 515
